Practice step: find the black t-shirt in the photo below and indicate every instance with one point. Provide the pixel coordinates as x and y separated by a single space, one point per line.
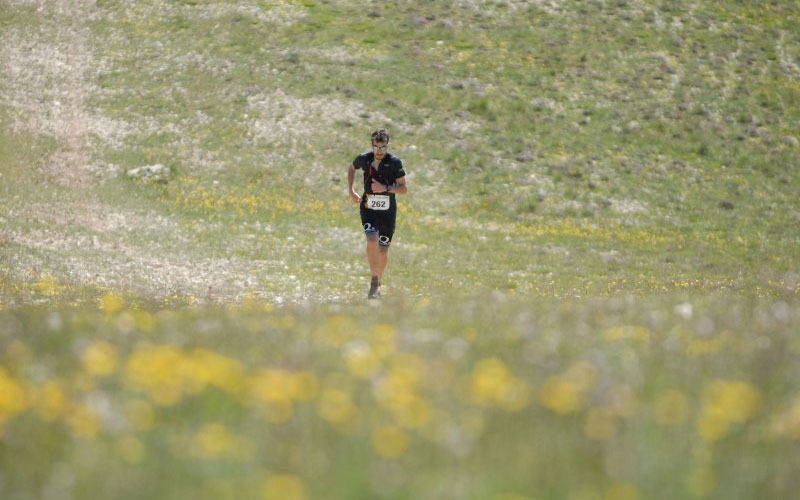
389 170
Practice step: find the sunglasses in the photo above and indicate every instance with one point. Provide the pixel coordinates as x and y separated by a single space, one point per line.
380 148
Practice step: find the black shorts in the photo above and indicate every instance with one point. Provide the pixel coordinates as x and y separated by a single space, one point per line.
379 223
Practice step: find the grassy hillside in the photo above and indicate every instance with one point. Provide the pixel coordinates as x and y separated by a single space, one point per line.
592 290
562 148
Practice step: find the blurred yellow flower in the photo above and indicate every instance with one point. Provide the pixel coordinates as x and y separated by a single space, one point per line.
336 406
50 400
739 401
100 359
561 395
712 424
622 491
157 371
83 422
407 369
304 386
145 321
214 440
671 408
700 346
389 441
204 367
111 303
726 402
600 424
284 487
13 396
490 379
362 361
167 373
279 390
412 412
493 384
48 285
627 332
382 339
337 330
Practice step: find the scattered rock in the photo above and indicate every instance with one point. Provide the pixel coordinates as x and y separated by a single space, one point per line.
792 141
419 20
632 126
525 156
612 258
463 114
157 172
446 24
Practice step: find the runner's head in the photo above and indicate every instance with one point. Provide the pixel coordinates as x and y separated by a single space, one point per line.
380 143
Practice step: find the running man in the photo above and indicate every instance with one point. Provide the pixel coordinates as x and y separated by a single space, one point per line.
383 178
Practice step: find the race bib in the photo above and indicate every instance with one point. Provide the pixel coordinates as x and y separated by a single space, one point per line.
378 202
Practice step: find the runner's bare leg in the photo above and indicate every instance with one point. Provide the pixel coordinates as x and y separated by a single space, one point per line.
383 259
373 256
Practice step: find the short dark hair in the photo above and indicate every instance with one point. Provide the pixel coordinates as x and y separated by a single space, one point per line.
380 135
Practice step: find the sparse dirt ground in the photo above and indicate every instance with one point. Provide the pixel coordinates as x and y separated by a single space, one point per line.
48 75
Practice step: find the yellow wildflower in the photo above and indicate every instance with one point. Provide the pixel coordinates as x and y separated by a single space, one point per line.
336 406
390 442
214 440
111 303
561 396
626 332
13 397
382 340
83 422
362 361
726 402
100 359
50 400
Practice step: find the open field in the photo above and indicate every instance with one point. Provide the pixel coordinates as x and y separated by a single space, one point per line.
592 290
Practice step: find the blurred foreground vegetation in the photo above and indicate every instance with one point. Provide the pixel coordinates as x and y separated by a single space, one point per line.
484 398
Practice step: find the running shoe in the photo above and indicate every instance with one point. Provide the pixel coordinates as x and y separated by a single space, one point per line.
374 289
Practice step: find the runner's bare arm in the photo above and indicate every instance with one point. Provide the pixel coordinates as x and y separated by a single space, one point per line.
351 175
400 186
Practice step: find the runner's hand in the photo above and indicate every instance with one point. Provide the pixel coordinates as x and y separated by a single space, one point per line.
356 198
377 187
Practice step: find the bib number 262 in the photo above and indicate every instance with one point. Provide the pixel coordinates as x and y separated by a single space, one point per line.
378 202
